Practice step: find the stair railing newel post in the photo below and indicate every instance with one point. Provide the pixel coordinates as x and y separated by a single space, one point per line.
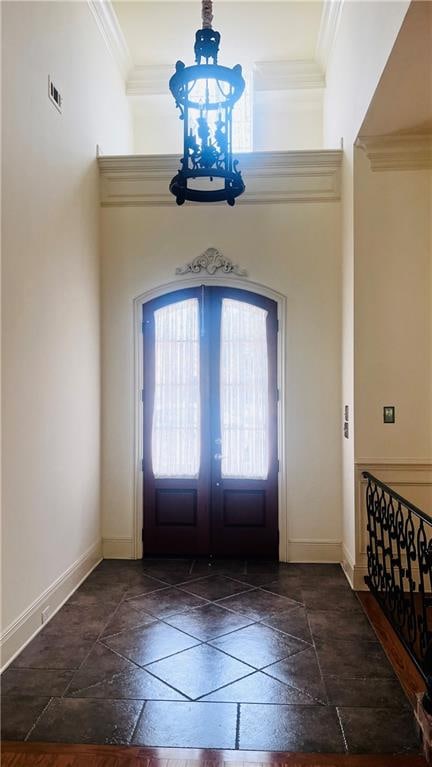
206 93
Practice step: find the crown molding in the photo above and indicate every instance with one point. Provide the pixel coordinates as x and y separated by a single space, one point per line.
271 177
287 75
404 152
149 80
330 18
109 27
152 79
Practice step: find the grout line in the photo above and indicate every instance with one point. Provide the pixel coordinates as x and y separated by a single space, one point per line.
290 686
93 645
317 660
35 668
96 684
342 729
223 687
237 737
128 628
137 665
39 717
167 684
162 587
137 722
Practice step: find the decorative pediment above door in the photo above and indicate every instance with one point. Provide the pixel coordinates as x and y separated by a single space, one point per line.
211 261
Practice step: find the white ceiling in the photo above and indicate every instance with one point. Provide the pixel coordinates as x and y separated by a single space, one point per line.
252 30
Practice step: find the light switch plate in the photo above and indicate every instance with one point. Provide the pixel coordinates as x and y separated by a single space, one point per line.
389 414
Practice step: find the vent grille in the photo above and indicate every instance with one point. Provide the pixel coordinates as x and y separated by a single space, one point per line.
54 94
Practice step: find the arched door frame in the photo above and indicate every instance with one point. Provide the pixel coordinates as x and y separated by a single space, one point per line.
170 287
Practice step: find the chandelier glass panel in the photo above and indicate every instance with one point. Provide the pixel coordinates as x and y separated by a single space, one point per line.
206 94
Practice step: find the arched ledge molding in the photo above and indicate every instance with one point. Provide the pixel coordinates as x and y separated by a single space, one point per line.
270 177
228 280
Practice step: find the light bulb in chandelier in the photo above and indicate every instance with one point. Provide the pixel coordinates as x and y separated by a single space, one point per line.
206 94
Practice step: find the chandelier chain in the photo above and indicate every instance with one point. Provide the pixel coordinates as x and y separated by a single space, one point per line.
207 14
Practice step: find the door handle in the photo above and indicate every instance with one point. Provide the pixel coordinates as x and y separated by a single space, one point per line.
218 456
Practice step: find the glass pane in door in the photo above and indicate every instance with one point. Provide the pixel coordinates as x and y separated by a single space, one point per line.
176 415
244 391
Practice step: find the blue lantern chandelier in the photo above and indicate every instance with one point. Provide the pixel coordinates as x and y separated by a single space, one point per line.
205 94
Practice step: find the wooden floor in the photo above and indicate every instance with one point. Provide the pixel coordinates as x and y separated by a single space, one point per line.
410 679
56 755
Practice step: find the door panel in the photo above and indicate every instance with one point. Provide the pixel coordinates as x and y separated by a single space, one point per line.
244 509
176 507
210 410
176 468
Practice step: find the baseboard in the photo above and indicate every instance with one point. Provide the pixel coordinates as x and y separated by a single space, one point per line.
355 574
419 463
314 551
118 548
22 630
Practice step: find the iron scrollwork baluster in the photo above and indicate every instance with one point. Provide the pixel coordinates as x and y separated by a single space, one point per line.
399 559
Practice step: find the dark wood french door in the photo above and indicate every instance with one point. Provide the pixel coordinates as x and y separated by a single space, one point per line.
210 424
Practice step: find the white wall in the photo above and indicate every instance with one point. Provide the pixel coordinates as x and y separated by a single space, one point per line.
288 119
156 125
51 310
393 311
282 120
292 248
365 37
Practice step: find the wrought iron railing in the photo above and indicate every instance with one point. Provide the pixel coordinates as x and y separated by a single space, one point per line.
399 556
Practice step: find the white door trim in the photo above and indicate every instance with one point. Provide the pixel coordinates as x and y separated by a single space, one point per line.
187 282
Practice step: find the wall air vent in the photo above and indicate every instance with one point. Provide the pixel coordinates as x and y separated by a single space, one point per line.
54 94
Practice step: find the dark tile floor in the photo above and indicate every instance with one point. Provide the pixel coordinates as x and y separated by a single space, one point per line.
248 655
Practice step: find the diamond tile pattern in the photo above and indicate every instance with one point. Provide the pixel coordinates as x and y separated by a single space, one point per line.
302 672
208 622
196 653
260 688
126 617
147 644
167 602
295 623
216 587
200 670
259 645
258 604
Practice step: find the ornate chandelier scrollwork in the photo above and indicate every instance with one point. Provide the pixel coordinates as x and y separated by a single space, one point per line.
205 94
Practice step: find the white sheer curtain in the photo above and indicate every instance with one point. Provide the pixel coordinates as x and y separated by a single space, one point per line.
242 119
241 116
244 391
176 417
